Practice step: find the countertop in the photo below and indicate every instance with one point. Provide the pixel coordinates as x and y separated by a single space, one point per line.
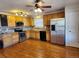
40 29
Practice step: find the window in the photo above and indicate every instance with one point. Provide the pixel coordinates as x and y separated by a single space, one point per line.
38 23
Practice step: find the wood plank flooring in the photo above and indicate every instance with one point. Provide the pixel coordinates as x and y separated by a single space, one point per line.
38 49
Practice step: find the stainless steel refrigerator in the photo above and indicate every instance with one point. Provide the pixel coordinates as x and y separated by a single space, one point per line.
57 28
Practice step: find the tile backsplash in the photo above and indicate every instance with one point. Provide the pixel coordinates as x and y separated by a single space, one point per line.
10 30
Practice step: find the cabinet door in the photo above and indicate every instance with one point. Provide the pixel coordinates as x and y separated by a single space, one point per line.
48 36
25 21
30 21
7 40
0 21
21 19
37 35
11 21
4 20
18 18
15 38
28 34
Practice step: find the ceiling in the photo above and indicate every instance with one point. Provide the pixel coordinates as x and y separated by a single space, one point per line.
7 5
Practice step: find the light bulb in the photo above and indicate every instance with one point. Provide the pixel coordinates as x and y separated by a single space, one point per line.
21 15
25 15
16 14
36 10
39 10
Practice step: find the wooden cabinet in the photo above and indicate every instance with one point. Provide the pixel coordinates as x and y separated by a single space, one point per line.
28 34
10 39
32 34
48 17
15 38
7 40
36 35
30 21
11 21
24 20
3 19
18 18
45 20
48 36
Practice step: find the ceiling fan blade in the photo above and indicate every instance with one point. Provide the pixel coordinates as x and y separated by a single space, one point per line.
42 9
29 6
46 6
36 1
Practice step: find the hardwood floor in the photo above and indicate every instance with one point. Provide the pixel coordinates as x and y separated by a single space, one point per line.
38 49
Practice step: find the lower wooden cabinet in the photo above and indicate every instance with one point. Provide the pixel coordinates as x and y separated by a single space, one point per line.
48 38
10 39
15 38
35 35
28 34
7 40
39 36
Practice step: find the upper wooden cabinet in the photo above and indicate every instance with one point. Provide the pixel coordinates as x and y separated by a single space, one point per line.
3 20
11 21
18 18
22 19
30 21
48 17
26 20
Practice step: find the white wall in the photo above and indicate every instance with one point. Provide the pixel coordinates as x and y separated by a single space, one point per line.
72 25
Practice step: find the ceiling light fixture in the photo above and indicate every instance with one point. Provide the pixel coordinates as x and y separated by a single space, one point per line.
21 14
38 10
16 14
25 15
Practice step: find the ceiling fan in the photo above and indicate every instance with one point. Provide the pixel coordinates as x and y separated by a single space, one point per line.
39 4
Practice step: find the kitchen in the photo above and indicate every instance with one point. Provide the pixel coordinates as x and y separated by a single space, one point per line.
30 29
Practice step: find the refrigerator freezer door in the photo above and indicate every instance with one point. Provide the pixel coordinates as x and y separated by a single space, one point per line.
58 35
